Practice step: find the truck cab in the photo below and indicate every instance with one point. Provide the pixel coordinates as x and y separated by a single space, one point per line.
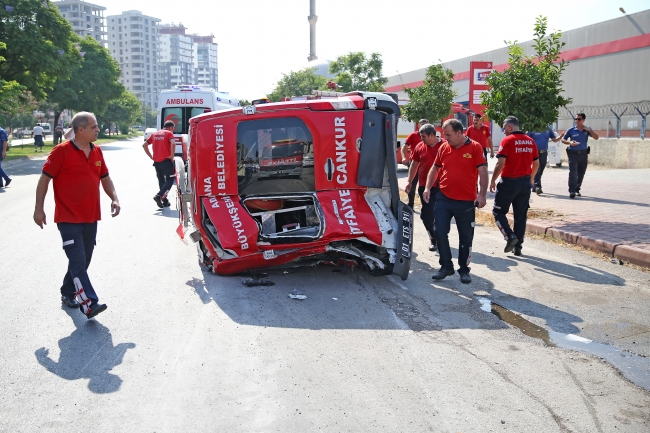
297 183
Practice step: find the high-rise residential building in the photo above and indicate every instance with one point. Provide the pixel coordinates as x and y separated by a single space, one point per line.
176 56
134 42
205 61
85 18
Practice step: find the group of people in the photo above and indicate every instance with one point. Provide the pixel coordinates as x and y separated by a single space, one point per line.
448 171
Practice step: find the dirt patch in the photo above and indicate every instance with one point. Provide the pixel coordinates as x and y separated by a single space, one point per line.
544 214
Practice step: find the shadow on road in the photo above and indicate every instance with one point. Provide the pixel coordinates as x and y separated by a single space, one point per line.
596 199
88 353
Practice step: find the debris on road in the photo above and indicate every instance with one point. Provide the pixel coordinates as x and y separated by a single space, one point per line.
297 294
252 282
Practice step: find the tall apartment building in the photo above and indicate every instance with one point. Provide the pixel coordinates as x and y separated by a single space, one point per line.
85 18
176 56
134 42
205 61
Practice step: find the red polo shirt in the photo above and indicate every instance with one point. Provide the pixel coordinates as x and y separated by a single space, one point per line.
479 135
160 142
458 170
413 140
520 151
76 182
425 155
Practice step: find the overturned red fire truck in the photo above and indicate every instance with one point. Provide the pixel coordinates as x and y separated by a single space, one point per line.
296 183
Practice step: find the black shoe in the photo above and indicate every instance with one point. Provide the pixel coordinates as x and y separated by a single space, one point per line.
517 251
442 274
166 203
8 182
69 301
577 192
95 310
433 247
572 195
510 244
158 201
538 190
465 278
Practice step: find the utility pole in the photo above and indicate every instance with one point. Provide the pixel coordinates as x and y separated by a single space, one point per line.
312 18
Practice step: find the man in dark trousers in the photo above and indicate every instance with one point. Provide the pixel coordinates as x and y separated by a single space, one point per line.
518 161
407 156
578 151
458 165
77 167
164 145
481 134
422 160
541 140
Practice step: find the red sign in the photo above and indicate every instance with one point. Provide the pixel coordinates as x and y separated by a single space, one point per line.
478 71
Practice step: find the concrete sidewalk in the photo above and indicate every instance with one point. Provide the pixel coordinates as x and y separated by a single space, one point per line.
612 216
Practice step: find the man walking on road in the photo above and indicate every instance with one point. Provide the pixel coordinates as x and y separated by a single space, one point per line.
541 140
422 160
578 152
4 142
409 145
460 162
517 164
39 135
164 145
58 135
481 134
77 167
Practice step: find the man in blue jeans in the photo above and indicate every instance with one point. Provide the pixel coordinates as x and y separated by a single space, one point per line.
4 142
77 167
458 165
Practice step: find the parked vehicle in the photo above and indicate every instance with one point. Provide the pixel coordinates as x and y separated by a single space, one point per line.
148 132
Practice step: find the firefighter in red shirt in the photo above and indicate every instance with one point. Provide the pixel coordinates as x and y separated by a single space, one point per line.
459 164
518 161
77 167
407 156
164 145
422 160
481 134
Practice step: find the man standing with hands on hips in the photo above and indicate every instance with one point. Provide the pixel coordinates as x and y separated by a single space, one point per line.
77 167
578 152
458 165
517 163
164 145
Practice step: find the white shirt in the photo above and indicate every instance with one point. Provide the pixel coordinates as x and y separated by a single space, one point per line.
38 130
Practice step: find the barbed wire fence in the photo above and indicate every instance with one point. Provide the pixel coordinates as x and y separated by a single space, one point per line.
632 112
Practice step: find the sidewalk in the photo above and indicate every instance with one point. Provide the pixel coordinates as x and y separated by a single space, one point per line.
612 216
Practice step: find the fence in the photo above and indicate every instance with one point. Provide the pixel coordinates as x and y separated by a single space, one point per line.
626 119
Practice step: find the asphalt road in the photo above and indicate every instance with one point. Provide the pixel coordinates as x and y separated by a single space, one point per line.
182 350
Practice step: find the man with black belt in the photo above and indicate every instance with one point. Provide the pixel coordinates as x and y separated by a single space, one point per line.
458 165
407 153
518 160
541 140
164 145
578 151
422 160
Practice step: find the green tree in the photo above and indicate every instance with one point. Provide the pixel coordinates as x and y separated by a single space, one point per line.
93 84
244 102
354 71
297 83
16 103
432 100
123 110
39 47
531 87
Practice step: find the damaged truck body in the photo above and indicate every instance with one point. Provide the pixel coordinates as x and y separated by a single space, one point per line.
296 183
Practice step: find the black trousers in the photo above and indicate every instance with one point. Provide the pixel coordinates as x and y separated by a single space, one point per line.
464 214
427 212
543 158
166 176
578 161
414 187
515 192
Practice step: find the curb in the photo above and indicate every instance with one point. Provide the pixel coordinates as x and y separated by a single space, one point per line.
637 254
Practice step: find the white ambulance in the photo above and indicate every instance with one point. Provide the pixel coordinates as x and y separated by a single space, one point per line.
186 101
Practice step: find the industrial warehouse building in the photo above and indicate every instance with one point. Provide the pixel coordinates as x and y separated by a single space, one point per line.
607 76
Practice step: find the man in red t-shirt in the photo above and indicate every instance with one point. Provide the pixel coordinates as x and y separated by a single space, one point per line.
518 161
407 155
164 145
458 165
77 167
422 157
481 134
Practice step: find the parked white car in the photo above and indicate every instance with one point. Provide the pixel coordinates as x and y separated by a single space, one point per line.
148 132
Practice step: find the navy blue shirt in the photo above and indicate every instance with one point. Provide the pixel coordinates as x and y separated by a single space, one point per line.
3 138
577 135
541 138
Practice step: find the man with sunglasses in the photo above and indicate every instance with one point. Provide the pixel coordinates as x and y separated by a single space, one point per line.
578 151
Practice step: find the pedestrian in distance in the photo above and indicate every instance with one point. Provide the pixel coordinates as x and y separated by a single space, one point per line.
578 152
39 136
517 163
410 143
164 145
58 135
460 162
77 168
423 156
481 134
541 140
5 180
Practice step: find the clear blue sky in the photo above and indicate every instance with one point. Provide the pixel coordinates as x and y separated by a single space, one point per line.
261 39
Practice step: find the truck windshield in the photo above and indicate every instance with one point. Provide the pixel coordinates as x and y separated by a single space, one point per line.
180 116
